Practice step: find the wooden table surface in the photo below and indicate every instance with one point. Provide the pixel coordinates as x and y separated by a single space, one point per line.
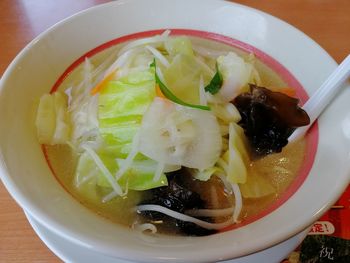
326 21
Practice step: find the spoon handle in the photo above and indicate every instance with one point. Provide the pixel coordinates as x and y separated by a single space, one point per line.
323 96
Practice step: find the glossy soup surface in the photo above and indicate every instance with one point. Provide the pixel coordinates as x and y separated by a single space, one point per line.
280 169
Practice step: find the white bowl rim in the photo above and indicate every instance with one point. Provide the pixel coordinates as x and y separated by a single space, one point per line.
49 222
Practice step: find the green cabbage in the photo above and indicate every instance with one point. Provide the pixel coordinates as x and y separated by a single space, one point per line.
138 177
183 75
52 119
121 105
179 45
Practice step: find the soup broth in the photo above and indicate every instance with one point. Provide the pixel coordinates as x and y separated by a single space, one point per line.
280 169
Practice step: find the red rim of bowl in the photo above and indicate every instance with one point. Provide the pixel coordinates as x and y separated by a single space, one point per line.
311 137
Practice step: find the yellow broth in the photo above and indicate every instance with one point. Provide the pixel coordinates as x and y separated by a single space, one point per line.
280 169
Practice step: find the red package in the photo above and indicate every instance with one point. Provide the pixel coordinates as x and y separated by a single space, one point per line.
329 237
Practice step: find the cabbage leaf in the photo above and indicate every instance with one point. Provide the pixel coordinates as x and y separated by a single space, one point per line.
121 105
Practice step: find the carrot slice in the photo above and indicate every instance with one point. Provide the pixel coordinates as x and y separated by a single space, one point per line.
101 85
159 93
285 90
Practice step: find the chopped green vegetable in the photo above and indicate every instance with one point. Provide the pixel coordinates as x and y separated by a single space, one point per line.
237 169
206 173
46 119
216 82
122 104
183 76
171 96
52 119
179 45
236 157
138 177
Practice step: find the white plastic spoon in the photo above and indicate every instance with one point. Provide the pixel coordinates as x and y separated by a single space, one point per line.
323 96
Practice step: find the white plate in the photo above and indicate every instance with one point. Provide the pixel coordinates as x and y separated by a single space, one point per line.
72 252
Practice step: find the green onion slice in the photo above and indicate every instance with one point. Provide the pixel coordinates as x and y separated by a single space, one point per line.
216 82
171 96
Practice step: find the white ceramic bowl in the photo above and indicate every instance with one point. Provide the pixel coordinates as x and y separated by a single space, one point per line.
27 176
